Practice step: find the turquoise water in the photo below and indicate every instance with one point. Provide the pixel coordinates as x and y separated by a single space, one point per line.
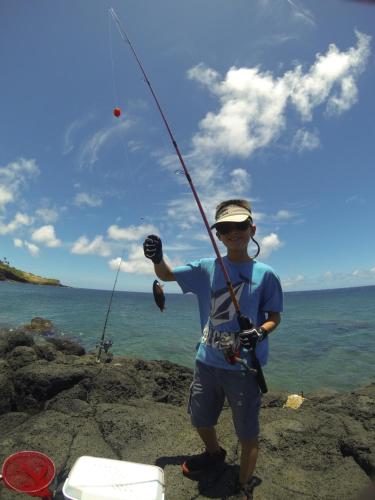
326 338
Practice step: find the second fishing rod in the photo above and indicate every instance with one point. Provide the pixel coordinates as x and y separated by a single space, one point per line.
255 361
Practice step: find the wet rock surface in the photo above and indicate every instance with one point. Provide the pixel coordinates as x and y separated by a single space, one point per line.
66 405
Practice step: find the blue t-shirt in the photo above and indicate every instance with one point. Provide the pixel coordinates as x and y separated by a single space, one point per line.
257 289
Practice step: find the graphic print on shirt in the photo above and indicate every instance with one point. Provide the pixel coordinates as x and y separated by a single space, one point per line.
222 311
222 307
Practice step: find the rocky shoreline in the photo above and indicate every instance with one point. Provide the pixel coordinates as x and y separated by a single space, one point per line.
12 274
57 399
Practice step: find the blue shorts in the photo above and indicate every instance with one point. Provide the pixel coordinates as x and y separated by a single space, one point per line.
208 390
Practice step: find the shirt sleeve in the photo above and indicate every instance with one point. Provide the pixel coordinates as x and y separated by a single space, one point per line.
189 277
272 299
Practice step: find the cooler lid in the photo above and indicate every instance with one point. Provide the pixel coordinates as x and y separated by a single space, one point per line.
93 478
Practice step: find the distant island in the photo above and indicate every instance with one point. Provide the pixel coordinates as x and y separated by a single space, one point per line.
8 273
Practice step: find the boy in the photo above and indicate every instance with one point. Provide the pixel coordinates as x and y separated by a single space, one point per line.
259 294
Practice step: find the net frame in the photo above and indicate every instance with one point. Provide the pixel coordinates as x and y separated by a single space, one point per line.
29 472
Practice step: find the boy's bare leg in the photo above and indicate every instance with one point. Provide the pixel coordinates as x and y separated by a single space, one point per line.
208 436
249 455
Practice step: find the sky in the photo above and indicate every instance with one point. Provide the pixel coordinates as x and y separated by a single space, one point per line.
269 100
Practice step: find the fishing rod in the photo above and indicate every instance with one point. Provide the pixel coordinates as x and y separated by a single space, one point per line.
186 172
106 344
229 285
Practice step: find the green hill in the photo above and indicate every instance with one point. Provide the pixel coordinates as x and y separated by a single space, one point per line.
8 273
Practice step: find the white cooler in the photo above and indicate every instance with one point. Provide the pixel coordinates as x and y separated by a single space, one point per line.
93 478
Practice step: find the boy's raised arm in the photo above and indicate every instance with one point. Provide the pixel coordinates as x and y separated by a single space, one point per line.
153 249
164 272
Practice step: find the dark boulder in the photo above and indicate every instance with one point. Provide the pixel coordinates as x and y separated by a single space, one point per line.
67 346
40 326
21 356
46 351
11 339
7 393
37 383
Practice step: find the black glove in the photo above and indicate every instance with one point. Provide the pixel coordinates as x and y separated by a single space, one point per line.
152 248
244 322
250 338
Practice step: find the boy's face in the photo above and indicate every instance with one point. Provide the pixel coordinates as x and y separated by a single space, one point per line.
235 235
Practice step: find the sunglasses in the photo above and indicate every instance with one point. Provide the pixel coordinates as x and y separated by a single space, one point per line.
227 227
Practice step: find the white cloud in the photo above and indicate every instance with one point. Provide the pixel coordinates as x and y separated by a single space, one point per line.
72 130
305 141
292 282
284 215
14 177
33 249
90 150
87 199
19 220
18 243
251 114
184 212
203 74
6 196
254 102
16 171
135 146
240 180
356 200
331 279
301 13
277 39
269 244
349 96
199 237
46 236
97 246
330 79
47 214
130 233
136 263
179 247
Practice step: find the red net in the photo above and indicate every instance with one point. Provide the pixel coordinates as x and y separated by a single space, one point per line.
29 472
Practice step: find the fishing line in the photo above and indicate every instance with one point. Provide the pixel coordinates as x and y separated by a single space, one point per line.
115 93
116 99
105 344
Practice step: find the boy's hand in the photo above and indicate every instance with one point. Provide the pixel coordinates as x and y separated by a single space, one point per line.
152 248
250 338
244 322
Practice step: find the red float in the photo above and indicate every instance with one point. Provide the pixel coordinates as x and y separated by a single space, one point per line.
117 112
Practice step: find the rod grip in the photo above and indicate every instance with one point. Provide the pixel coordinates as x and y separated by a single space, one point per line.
246 324
260 375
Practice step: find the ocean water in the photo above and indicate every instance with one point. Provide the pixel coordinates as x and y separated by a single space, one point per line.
326 339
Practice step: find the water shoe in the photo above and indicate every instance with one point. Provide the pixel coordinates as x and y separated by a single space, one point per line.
245 491
197 464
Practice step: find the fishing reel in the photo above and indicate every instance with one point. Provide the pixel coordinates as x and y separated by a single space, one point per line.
230 347
104 345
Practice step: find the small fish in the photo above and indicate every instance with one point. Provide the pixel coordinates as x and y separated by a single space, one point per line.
159 297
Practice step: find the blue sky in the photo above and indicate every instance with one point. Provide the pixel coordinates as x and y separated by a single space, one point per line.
269 100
